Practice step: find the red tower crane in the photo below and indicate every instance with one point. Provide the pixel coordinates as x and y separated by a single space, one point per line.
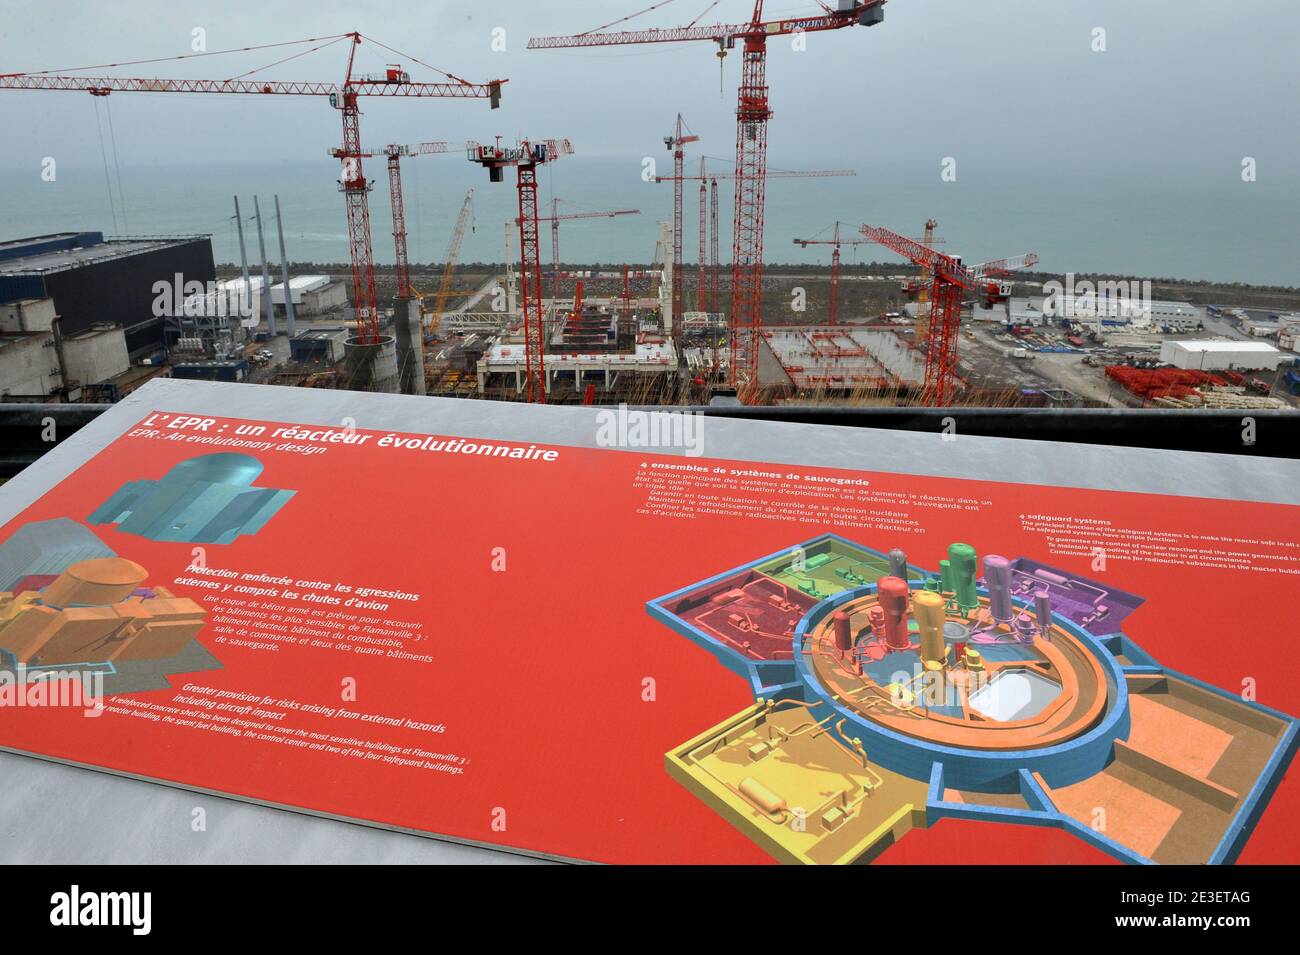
702 283
394 153
393 82
715 287
526 157
949 280
679 138
835 242
752 114
555 218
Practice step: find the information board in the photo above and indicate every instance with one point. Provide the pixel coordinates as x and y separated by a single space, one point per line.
622 655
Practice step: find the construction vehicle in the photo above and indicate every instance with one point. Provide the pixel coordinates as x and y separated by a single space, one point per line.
433 318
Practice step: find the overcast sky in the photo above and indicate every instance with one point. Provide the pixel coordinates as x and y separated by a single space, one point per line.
1183 85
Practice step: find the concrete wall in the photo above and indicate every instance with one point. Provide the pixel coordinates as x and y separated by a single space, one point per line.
906 363
27 315
29 365
96 355
332 296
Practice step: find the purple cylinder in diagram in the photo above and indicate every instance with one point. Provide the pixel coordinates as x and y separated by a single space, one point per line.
898 563
997 577
1043 610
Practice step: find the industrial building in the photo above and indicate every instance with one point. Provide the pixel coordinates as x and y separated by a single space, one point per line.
217 369
1108 312
1222 355
39 361
29 366
92 280
229 298
1288 335
323 345
95 355
310 295
1262 327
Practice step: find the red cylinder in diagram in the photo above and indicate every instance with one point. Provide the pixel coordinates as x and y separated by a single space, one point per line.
843 631
892 594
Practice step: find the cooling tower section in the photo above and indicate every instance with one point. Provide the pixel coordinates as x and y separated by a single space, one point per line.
409 332
372 366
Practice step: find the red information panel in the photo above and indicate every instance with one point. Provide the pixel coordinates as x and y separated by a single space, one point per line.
628 656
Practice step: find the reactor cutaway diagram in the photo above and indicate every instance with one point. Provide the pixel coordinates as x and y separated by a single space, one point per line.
208 499
70 606
888 697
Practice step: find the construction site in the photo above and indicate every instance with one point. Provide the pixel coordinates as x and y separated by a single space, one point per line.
916 326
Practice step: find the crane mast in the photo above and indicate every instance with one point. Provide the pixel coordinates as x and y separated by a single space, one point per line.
832 306
449 268
701 283
675 142
714 287
394 153
401 264
922 331
526 157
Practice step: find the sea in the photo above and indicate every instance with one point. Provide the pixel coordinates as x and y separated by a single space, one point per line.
1207 226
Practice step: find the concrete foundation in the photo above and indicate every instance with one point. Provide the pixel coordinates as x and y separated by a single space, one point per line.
371 367
409 332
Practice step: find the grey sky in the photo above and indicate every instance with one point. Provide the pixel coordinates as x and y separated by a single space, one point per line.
1183 86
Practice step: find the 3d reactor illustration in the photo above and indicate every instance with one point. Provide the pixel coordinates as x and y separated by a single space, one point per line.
209 499
1001 689
70 604
44 548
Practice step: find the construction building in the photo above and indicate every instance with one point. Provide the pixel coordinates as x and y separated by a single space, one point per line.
96 354
1105 313
29 366
92 280
841 360
1288 335
645 369
320 345
39 361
